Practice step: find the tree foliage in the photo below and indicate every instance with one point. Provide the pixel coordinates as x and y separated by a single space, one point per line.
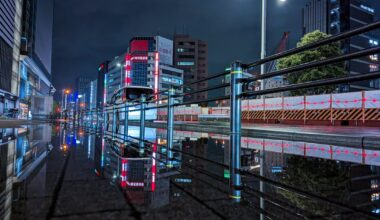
320 53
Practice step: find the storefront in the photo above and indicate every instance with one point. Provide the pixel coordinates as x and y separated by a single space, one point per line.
24 111
8 105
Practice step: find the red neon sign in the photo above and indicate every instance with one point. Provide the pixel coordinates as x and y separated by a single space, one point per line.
156 74
127 79
154 168
124 172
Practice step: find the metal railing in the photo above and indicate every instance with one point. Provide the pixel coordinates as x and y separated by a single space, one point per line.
237 84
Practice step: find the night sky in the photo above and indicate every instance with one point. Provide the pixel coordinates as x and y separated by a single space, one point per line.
88 32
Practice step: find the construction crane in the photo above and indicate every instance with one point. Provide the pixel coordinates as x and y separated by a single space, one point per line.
280 48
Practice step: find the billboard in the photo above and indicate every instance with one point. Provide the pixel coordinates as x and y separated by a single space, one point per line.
165 49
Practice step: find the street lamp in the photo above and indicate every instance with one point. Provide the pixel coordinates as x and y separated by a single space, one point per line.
264 36
65 93
262 71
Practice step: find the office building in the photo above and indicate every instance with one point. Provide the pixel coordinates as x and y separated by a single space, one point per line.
115 75
147 62
7 167
190 55
82 83
10 19
90 93
100 88
36 89
338 16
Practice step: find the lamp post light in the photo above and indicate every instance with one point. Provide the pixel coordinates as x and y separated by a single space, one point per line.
66 91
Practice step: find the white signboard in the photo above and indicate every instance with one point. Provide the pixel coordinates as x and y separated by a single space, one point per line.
318 102
347 100
294 148
256 104
245 105
273 104
294 103
372 99
165 49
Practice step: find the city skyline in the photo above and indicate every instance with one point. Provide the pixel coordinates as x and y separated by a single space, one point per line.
236 28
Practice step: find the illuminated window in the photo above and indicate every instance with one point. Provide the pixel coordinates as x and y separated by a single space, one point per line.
374 184
374 57
369 9
373 42
185 63
373 67
375 197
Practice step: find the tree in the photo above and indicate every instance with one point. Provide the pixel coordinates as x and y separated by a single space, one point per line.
319 53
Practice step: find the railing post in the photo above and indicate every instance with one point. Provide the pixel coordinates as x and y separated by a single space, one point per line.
126 117
113 122
235 129
97 117
142 122
363 107
170 127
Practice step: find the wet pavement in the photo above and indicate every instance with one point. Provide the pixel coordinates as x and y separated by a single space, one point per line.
66 172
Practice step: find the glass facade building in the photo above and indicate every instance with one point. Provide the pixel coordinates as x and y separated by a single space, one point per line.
338 16
147 62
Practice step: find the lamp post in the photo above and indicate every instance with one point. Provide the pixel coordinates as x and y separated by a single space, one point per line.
262 87
67 91
264 37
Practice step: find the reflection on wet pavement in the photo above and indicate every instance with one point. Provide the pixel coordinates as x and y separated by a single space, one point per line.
58 171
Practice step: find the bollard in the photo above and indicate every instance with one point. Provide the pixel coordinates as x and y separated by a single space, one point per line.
142 122
235 129
126 116
170 126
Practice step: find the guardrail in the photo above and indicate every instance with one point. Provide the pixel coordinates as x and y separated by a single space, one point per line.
359 105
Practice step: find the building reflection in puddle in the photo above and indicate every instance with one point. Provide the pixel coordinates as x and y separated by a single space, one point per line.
344 174
143 177
22 150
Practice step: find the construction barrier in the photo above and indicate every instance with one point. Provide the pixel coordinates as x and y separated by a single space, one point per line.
354 108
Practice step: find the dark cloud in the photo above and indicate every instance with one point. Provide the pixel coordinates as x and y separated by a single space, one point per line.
88 32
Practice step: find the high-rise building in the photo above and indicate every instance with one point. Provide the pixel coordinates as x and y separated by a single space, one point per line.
115 75
190 55
87 95
10 11
147 62
100 87
7 167
337 16
91 94
36 89
82 83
